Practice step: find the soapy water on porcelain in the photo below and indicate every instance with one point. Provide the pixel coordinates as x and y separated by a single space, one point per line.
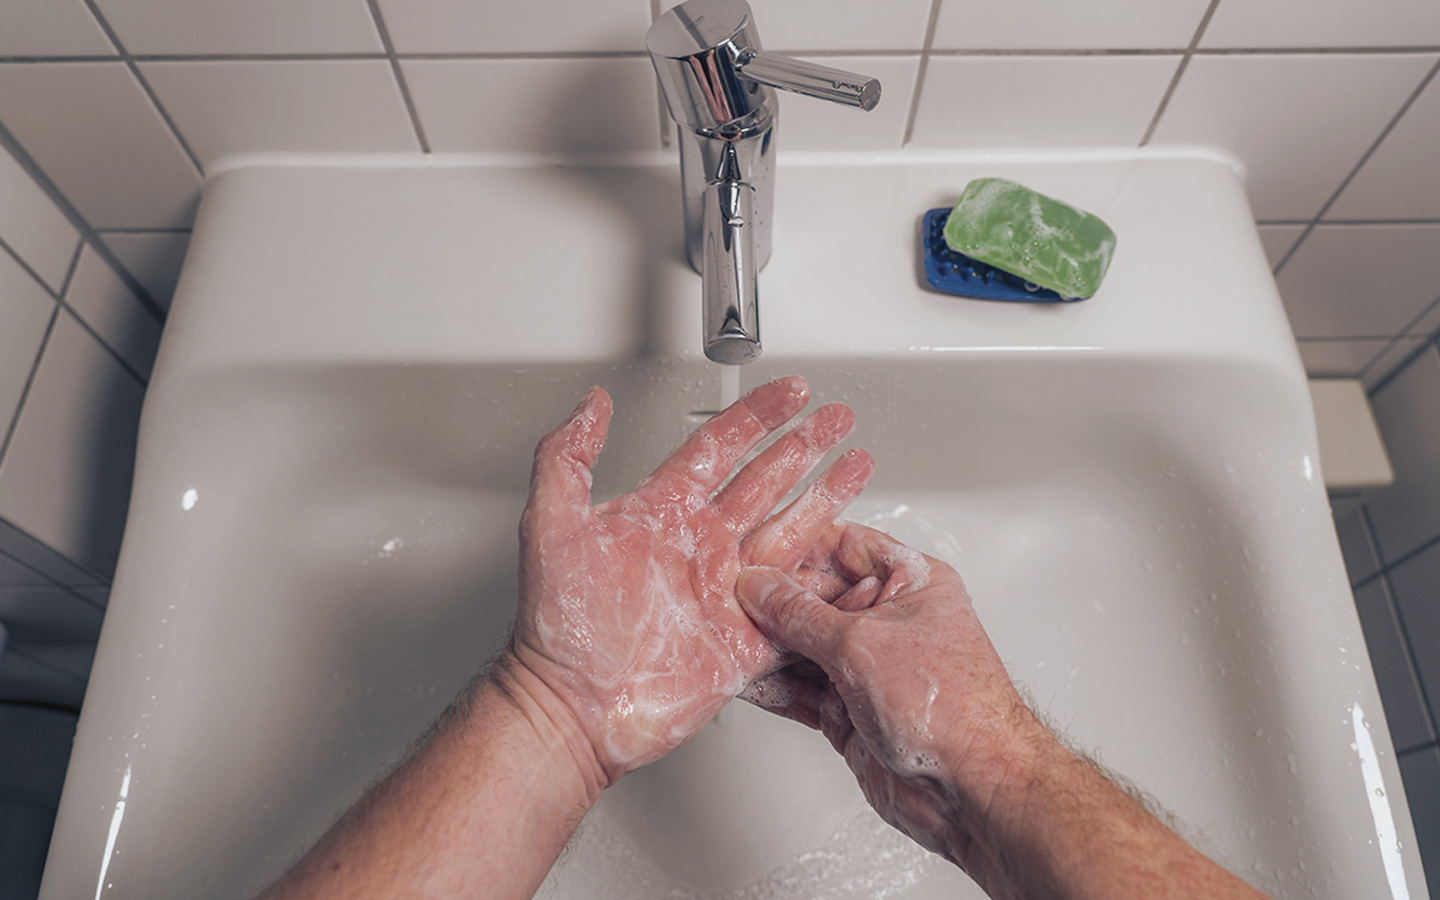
864 858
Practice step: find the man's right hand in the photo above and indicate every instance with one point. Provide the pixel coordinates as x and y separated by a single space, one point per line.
902 679
909 689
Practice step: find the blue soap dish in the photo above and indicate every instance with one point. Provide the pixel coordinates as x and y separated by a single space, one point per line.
956 273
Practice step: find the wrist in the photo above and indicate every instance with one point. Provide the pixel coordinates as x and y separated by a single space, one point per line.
553 731
992 787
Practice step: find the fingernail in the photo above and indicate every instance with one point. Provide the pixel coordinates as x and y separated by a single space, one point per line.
757 583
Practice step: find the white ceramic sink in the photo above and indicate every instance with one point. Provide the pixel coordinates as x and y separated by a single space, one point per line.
335 448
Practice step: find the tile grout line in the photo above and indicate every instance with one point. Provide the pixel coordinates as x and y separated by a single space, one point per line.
104 231
124 363
1393 604
139 77
925 50
101 579
29 270
1382 576
51 584
400 82
1399 367
20 649
611 54
1356 337
1179 71
1395 340
1364 158
88 234
35 366
659 91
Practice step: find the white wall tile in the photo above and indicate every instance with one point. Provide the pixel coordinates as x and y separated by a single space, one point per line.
102 301
1300 122
48 614
1402 179
251 26
50 28
549 104
808 124
1324 23
1338 359
25 311
1361 280
153 258
33 225
1395 355
799 25
1407 514
535 26
1400 692
93 131
225 108
1067 25
1030 101
1278 239
66 477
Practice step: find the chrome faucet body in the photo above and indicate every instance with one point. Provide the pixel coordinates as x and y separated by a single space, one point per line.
719 87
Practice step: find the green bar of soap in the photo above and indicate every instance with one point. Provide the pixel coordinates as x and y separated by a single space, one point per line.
1032 236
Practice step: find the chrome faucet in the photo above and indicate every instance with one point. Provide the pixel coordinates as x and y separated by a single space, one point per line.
718 85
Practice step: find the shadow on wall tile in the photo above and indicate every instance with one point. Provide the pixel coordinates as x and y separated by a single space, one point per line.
1407 409
1416 584
107 306
66 477
1421 773
153 258
1360 559
25 679
35 744
1405 711
14 573
35 555
49 615
1395 356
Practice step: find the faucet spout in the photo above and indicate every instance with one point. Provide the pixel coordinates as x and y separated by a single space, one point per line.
719 86
729 274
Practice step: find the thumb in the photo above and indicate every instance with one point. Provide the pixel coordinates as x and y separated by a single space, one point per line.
792 616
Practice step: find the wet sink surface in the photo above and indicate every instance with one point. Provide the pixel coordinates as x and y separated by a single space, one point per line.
322 544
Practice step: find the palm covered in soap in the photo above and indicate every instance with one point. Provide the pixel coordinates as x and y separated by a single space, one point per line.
627 609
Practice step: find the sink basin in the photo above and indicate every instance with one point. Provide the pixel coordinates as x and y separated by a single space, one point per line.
335 449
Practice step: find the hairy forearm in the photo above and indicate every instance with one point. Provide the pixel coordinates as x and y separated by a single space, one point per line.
482 808
1053 825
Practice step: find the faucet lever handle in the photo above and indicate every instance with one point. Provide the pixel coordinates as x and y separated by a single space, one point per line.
811 79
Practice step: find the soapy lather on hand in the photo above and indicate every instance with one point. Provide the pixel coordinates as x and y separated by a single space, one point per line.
627 609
